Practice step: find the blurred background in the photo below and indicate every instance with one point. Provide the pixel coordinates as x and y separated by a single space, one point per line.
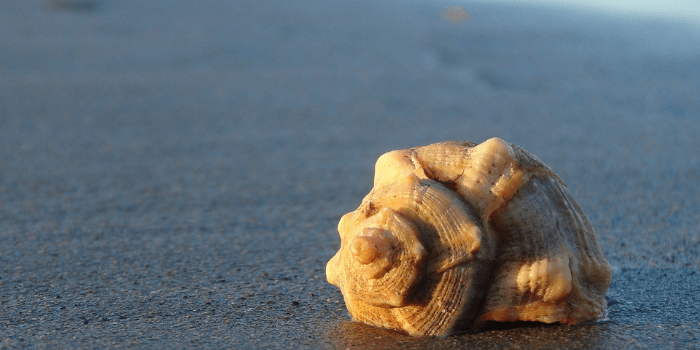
172 172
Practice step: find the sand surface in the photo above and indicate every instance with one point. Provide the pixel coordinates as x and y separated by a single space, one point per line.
172 172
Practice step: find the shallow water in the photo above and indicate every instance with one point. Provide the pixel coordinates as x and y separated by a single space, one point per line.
685 9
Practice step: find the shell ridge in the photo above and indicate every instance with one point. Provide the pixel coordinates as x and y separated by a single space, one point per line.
462 238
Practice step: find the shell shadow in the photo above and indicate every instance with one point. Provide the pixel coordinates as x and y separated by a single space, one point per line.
492 335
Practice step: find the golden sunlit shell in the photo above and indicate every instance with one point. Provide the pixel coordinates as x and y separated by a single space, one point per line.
455 234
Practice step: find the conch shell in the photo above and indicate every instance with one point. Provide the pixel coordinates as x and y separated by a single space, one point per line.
455 234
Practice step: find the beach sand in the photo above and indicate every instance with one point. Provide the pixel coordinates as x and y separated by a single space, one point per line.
172 172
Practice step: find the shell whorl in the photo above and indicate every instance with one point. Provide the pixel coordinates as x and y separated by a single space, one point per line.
456 234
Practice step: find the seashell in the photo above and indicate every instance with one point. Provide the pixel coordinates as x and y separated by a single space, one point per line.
455 234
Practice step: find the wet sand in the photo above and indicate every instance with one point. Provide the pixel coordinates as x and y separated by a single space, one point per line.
172 173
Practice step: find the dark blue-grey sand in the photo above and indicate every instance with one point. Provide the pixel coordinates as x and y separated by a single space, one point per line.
172 172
